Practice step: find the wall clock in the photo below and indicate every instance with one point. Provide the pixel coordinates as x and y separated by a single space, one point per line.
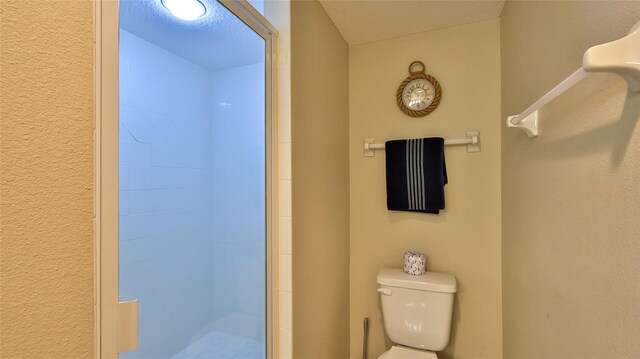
420 93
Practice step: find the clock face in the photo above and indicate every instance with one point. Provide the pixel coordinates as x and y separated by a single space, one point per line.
418 94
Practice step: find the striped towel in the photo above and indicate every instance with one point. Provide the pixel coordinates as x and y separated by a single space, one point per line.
416 175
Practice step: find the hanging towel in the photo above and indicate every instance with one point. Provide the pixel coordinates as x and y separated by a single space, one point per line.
416 175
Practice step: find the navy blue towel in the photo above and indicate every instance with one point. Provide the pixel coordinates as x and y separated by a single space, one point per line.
416 175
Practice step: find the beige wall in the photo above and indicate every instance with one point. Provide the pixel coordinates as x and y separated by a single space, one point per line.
464 240
320 124
571 197
46 164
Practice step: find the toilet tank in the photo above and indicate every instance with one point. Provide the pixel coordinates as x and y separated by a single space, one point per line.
417 309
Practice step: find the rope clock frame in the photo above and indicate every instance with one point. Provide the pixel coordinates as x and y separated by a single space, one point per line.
413 75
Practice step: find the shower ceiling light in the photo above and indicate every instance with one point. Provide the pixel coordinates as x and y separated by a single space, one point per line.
188 10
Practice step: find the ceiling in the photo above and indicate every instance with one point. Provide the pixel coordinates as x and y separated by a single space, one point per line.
361 21
217 40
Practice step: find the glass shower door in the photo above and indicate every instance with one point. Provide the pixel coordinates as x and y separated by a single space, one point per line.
192 181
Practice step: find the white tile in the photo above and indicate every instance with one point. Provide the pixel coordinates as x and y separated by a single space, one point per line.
240 225
279 15
284 48
284 161
135 178
285 272
238 177
285 310
284 204
284 124
135 154
285 235
239 158
222 345
284 88
286 343
124 203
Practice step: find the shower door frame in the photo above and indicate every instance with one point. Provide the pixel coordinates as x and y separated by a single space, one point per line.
106 82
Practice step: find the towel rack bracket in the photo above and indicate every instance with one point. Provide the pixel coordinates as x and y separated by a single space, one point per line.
368 151
474 146
529 124
618 57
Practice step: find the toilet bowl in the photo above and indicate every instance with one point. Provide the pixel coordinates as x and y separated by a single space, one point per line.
398 352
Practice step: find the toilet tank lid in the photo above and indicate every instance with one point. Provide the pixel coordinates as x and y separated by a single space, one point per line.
430 281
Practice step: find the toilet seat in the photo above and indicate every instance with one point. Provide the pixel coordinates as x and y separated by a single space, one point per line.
398 352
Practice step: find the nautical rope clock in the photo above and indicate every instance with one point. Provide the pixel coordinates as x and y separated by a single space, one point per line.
420 93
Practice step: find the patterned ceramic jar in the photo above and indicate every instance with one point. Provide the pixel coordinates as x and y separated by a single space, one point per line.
415 263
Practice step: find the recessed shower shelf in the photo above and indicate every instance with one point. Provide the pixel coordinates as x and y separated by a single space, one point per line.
620 57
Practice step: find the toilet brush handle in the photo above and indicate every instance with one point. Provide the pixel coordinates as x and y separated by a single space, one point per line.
365 340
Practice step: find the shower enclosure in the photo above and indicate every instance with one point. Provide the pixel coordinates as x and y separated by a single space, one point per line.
192 214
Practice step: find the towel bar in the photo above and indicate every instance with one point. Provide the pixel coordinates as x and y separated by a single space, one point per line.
472 141
619 57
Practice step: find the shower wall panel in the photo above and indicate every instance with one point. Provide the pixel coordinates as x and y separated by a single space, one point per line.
165 196
238 133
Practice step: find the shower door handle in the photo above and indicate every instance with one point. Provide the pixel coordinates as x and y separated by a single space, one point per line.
127 326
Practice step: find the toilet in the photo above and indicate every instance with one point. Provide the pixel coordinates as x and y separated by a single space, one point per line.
417 312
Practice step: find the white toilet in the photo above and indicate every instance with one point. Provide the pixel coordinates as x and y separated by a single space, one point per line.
417 312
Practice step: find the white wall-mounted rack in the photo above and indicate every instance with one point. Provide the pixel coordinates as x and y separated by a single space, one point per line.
620 57
472 141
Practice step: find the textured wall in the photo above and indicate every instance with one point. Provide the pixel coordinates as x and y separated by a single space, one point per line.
464 240
46 164
571 197
320 125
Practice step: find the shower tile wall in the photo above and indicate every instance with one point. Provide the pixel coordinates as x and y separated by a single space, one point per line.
192 199
238 134
165 196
